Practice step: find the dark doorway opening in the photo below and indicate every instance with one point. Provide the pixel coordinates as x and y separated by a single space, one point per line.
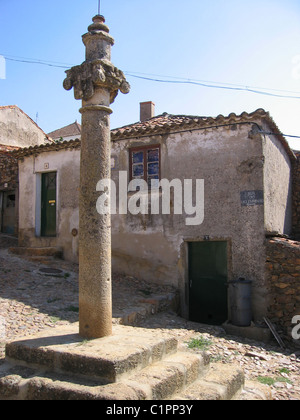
8 212
48 213
208 276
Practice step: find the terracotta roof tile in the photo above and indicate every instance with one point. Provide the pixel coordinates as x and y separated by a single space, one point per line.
7 150
36 150
4 148
166 123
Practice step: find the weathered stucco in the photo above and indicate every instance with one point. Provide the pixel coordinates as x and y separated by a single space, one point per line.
277 186
296 197
17 129
66 164
229 162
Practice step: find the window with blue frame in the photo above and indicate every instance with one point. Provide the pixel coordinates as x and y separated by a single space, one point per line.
145 164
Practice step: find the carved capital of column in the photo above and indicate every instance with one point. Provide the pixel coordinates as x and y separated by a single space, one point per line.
90 75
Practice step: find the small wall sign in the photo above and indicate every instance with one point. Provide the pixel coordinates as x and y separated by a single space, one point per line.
252 198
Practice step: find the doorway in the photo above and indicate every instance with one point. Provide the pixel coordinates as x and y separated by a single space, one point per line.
208 276
48 204
8 212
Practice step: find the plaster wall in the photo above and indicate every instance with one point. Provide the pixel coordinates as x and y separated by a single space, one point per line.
296 197
229 160
277 186
17 129
66 164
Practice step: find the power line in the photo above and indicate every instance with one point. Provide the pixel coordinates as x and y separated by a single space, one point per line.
178 80
284 135
206 84
35 61
206 81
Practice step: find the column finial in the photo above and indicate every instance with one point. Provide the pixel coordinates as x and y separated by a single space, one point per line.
98 25
97 71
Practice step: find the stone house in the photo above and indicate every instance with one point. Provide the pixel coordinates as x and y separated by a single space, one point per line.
17 130
245 168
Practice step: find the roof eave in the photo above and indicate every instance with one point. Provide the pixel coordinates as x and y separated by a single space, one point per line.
188 123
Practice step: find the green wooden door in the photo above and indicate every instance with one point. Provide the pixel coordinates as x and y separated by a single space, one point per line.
208 302
48 219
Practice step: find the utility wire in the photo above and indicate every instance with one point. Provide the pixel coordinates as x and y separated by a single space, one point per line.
206 81
230 86
284 135
191 82
35 61
208 84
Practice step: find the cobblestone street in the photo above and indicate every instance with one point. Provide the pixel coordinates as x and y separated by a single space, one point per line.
31 301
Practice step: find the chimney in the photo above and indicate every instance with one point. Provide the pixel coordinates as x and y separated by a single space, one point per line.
147 110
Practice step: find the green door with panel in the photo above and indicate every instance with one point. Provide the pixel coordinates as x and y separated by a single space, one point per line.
208 297
48 213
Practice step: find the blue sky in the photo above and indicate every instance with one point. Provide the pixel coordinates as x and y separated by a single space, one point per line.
248 43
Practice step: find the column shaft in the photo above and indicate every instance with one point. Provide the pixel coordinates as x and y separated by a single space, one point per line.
95 296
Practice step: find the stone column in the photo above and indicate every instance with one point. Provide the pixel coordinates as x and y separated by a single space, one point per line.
96 82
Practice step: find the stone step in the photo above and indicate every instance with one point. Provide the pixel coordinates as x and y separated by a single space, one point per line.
132 364
146 308
221 382
162 380
156 382
108 359
182 376
37 252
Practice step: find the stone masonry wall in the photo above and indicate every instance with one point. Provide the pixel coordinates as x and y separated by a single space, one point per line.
296 197
8 169
283 275
9 177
